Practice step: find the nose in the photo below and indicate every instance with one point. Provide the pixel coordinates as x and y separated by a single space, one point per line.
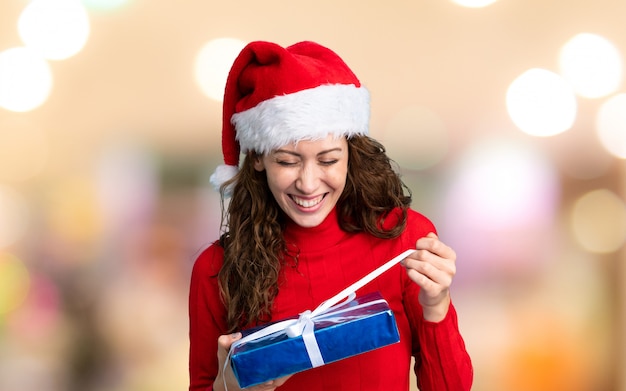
308 179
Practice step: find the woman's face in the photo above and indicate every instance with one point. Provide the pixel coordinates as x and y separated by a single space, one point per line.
307 178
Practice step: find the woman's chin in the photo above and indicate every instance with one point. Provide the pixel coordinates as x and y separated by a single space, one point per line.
309 219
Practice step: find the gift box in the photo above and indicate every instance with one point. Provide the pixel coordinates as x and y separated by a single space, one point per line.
357 326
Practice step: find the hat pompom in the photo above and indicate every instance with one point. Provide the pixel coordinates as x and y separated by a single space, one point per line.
223 173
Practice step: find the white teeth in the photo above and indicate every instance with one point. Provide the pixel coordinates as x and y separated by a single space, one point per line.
307 203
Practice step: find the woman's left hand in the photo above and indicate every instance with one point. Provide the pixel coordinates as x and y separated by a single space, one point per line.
432 267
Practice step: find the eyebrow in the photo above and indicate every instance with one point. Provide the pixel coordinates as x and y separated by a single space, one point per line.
338 149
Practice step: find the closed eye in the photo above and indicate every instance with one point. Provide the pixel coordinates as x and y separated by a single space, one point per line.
286 163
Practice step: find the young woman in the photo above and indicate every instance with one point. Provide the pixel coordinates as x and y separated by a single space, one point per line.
315 206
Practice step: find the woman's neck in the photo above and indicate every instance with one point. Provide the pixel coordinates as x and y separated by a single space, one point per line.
326 234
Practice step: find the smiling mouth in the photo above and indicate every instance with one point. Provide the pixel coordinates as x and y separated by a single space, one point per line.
307 203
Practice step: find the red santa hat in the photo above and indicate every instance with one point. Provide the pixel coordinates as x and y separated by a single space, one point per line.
275 96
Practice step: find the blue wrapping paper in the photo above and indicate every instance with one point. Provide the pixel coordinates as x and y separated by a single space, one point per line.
363 324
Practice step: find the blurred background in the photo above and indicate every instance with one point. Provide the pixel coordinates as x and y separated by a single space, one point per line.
507 119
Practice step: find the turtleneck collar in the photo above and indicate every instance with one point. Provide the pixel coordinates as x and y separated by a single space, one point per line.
325 235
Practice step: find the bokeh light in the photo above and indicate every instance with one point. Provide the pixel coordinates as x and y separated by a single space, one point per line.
213 63
499 209
474 3
25 79
546 355
14 283
58 29
592 64
416 138
541 103
502 184
598 221
14 216
24 149
611 125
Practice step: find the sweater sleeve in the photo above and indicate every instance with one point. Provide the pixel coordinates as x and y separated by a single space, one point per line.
441 360
206 319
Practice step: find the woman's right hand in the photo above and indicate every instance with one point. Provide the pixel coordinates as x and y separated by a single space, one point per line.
228 378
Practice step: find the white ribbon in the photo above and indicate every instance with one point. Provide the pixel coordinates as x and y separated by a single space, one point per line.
304 326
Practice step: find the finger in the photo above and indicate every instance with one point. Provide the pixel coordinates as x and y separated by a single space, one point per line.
432 265
226 340
223 344
280 381
427 273
225 374
428 263
267 386
435 246
428 287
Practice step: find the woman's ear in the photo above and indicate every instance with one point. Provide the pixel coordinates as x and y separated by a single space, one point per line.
258 163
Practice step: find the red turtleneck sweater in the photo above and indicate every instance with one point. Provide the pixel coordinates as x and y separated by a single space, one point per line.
329 261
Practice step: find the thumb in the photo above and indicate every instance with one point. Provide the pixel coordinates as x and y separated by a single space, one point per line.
432 235
225 341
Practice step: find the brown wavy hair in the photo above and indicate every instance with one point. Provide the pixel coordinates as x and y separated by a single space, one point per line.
254 247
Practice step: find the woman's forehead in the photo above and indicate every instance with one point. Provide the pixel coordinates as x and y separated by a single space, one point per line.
327 143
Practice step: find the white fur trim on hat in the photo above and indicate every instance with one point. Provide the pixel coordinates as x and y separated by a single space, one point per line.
222 174
311 114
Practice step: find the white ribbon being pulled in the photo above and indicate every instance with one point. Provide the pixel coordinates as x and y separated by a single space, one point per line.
304 325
